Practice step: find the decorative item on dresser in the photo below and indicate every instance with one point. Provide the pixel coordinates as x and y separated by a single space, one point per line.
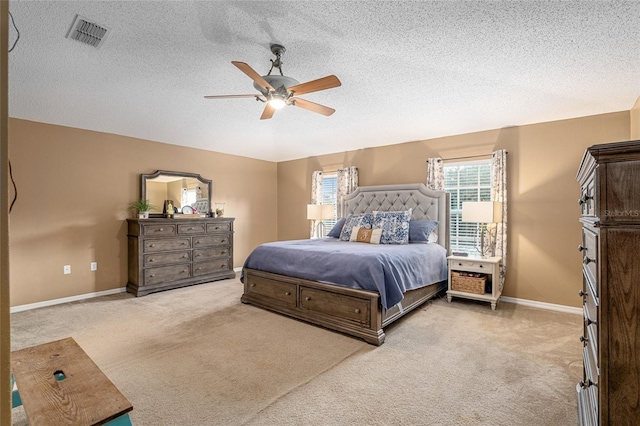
609 177
170 253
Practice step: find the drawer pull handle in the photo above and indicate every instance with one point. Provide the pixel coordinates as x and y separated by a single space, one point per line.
584 199
197 254
585 384
307 298
582 248
223 266
150 260
184 243
222 241
582 293
586 260
481 266
216 228
589 321
223 252
152 275
583 339
287 293
184 271
152 245
459 264
357 311
252 285
198 268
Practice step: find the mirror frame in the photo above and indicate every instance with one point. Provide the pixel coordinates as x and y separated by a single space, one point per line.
149 176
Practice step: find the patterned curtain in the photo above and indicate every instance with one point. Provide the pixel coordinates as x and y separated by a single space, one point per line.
316 198
347 183
499 193
435 174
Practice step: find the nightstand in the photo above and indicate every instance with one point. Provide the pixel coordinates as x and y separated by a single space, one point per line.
477 265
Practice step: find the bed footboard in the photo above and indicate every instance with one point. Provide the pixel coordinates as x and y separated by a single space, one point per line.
351 311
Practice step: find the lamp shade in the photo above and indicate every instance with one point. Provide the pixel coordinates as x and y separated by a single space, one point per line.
481 211
319 211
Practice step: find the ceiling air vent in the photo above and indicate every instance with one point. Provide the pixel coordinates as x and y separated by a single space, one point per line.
88 32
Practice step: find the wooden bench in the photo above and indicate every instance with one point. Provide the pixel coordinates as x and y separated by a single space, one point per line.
59 384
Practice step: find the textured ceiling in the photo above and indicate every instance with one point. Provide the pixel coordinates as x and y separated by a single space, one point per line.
409 70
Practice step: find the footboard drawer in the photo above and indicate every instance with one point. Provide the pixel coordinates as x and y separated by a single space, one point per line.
336 305
284 293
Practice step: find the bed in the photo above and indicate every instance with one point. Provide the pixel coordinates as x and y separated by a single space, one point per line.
357 305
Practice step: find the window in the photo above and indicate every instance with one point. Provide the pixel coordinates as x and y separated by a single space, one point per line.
467 181
330 196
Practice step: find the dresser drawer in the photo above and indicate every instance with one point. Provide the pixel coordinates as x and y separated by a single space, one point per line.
166 274
590 302
283 293
159 259
210 240
200 255
589 250
335 305
590 382
211 267
470 266
159 230
587 195
218 227
151 246
191 228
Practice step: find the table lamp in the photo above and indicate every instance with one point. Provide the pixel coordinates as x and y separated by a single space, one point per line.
483 212
319 212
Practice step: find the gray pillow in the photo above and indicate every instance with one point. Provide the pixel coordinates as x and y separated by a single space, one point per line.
337 228
419 230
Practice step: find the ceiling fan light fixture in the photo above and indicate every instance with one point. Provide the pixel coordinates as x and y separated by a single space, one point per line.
277 101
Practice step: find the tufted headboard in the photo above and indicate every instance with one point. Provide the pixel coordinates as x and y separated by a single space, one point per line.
425 204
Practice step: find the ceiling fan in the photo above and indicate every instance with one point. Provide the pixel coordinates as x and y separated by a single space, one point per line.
279 90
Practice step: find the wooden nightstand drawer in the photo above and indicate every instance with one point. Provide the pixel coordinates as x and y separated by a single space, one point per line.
166 274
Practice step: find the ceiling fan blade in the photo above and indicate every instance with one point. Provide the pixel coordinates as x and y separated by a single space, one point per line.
311 106
268 112
231 96
245 68
323 83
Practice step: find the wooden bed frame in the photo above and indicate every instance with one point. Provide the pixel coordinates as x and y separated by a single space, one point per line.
356 312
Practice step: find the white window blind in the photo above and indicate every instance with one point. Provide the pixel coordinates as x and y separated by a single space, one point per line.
329 196
467 181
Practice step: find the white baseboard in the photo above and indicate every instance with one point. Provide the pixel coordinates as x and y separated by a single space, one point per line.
542 305
21 308
238 269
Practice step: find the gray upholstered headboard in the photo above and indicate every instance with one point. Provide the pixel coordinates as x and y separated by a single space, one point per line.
425 204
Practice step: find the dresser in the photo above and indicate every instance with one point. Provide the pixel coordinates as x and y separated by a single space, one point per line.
609 178
172 253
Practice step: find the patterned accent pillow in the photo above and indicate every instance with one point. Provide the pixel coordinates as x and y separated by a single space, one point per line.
365 235
363 220
394 225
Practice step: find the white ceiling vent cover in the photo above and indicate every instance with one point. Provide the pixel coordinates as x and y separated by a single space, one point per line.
88 32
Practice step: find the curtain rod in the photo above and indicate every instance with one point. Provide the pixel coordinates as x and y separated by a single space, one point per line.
470 156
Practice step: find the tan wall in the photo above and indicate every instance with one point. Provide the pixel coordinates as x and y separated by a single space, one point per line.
73 190
544 264
635 121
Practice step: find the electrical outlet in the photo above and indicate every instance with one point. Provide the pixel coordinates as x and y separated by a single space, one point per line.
67 269
94 266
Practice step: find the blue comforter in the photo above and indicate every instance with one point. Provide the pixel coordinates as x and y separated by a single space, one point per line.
386 268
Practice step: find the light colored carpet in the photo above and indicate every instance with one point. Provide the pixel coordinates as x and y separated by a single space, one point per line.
197 356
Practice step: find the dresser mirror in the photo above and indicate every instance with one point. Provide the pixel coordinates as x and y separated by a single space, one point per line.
184 189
